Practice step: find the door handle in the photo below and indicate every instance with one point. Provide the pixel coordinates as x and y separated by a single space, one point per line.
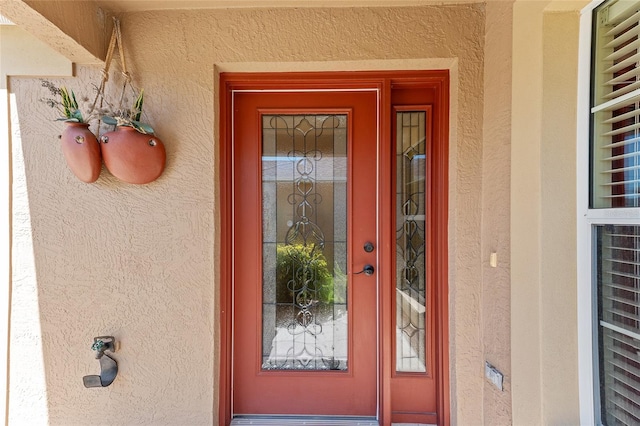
368 270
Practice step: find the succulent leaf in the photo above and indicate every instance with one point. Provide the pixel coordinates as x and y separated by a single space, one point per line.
109 120
142 127
70 105
137 106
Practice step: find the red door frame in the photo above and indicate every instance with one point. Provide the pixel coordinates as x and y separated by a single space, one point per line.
436 83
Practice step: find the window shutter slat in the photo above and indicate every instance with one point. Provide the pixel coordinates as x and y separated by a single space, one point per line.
623 143
624 302
622 261
618 118
621 287
627 374
621 339
620 51
621 157
624 90
624 22
622 64
624 356
627 77
622 182
620 169
613 330
617 41
623 406
623 417
618 317
621 378
622 130
625 196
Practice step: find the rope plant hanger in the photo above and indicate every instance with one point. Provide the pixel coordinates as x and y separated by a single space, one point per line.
131 152
121 116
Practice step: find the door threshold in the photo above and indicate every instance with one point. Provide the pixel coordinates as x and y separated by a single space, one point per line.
303 421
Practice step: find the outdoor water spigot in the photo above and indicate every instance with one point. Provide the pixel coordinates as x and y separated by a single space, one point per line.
100 346
108 365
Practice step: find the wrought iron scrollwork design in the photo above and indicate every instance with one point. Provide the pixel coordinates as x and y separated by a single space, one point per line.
304 241
411 242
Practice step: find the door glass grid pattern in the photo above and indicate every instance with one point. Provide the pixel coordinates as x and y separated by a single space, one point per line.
304 199
618 279
410 242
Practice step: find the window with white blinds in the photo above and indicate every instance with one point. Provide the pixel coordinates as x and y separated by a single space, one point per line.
618 285
614 182
615 147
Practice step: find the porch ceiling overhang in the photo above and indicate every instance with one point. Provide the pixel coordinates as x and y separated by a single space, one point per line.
118 6
121 6
80 29
76 29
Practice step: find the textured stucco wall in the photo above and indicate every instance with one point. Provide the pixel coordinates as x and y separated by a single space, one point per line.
140 262
558 273
107 258
496 229
20 54
543 216
526 134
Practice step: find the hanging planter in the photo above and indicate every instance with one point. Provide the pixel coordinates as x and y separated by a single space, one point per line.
132 156
82 151
132 152
79 145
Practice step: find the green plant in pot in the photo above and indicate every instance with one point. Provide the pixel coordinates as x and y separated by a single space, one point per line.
130 117
132 152
79 145
302 275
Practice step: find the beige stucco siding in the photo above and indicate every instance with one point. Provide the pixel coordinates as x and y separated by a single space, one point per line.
142 262
496 224
558 274
543 192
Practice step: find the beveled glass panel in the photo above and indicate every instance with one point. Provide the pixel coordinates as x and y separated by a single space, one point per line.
410 242
304 200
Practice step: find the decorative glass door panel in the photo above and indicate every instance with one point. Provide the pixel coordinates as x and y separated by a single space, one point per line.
304 231
304 204
410 242
413 380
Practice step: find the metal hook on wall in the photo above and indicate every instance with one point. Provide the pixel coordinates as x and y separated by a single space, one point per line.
108 365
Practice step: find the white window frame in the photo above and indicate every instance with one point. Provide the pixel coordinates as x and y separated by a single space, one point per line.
584 224
586 219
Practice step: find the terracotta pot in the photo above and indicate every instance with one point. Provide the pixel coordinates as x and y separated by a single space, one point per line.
132 156
82 151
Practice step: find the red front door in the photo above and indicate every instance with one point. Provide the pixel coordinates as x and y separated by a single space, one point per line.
334 245
305 173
